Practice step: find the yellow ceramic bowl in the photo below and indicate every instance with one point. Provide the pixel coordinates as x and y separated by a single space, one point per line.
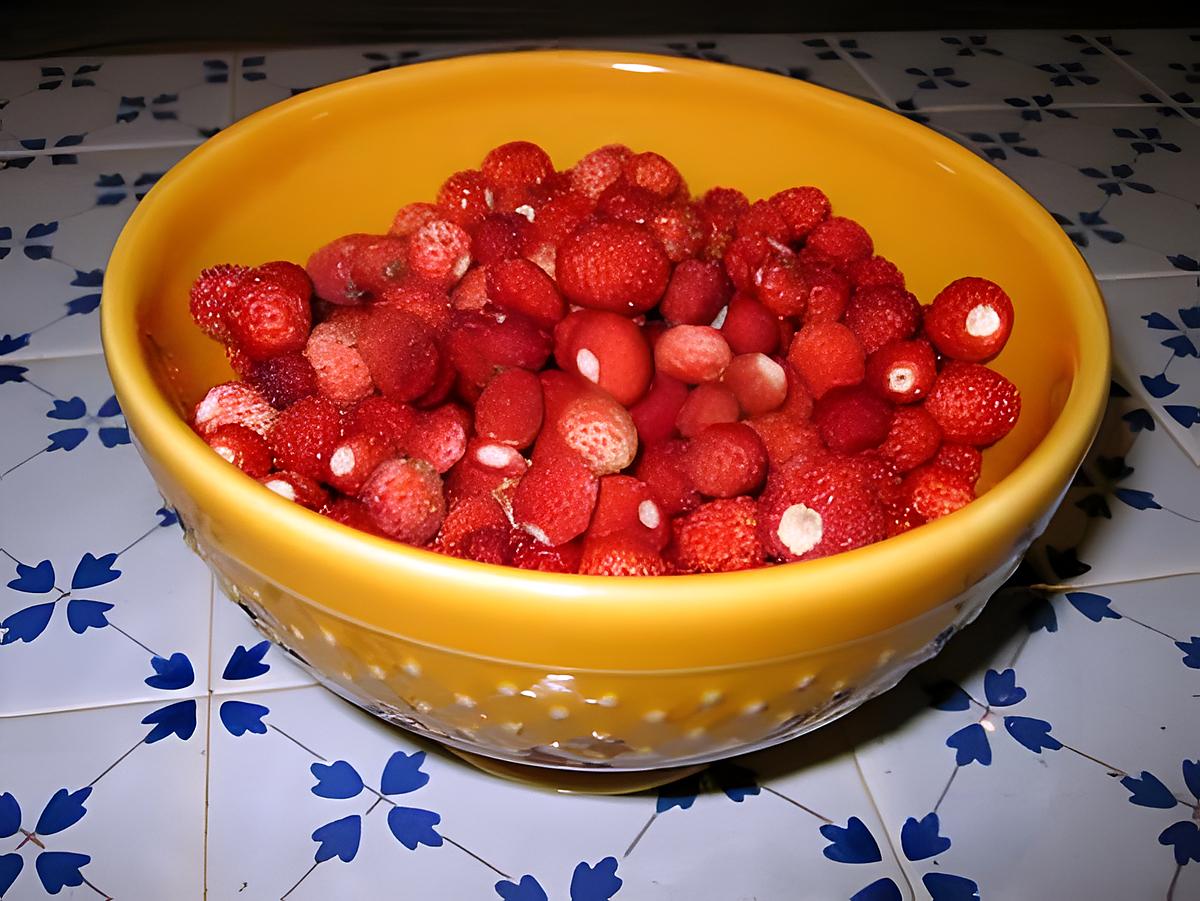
572 671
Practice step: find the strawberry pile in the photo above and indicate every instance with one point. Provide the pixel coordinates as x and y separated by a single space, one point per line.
592 371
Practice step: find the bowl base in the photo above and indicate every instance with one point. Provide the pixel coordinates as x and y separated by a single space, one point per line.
576 782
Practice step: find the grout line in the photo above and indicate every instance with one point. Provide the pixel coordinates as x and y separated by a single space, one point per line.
982 107
861 72
196 696
208 750
1141 76
118 148
1130 276
887 833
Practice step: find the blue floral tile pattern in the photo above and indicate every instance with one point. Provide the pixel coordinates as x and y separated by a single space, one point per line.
154 745
930 70
59 106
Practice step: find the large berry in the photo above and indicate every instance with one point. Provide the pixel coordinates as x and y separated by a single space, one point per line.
720 536
399 351
970 320
268 317
209 298
726 459
614 266
554 500
608 350
618 554
304 435
816 511
404 498
973 404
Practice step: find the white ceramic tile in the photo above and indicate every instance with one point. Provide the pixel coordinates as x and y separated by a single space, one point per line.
240 652
1156 338
140 823
923 70
65 511
59 218
1169 58
1120 181
59 105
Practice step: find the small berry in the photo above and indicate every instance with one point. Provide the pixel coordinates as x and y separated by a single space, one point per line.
881 315
970 320
412 217
662 469
379 264
267 318
554 500
750 327
696 293
479 345
510 408
350 511
518 163
626 506
962 459
599 430
803 209
466 516
439 436
467 195
937 492
483 469
244 448
726 459
304 435
385 420
519 286
599 170
973 404
499 236
428 303
762 219
285 379
719 212
608 350
653 173
557 218
655 414
902 371
692 353
787 439
404 498
852 419
828 294
743 259
827 355
782 288
209 298
615 266
298 488
341 374
471 292
843 240
759 383
233 403
875 271
912 440
351 461
708 403
330 266
719 536
529 553
680 229
619 555
439 252
817 511
399 351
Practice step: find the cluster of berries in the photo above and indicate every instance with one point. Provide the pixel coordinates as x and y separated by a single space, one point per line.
592 371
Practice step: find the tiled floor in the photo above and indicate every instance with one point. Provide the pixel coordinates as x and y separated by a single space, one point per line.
153 746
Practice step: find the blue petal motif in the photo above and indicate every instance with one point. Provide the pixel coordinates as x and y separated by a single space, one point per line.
1185 837
1042 616
681 793
413 826
247 663
83 614
10 868
1191 652
26 625
1191 777
338 839
1095 607
1033 733
1190 316
11 343
1147 791
919 839
948 887
34 579
110 407
949 696
1187 416
1184 262
10 816
1139 500
527 889
66 439
240 717
1159 385
92 571
880 890
337 780
171 674
174 719
737 782
402 773
595 883
63 810
74 408
113 436
58 869
970 744
852 843
1159 321
1001 689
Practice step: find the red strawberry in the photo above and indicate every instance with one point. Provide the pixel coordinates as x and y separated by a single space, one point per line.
499 236
973 404
750 327
341 374
655 414
970 320
351 461
465 517
759 383
298 488
828 294
599 170
399 351
619 555
842 240
874 272
817 511
529 553
695 294
803 209
519 286
303 436
412 217
484 468
680 229
439 436
787 439
518 163
350 511
599 430
902 371
379 264
244 448
428 303
467 195
763 220
707 404
608 350
268 317
692 353
233 403
378 417
480 345
626 506
719 212
284 380
209 298
615 266
827 355
782 288
329 268
510 408
960 458
744 257
937 492
852 419
653 173
404 498
662 469
439 252
726 459
554 500
720 536
912 440
881 315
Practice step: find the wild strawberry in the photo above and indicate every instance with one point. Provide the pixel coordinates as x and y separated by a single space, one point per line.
827 355
529 553
781 287
385 420
913 439
499 236
817 511
750 327
233 403
743 259
480 345
209 298
653 173
619 555
599 430
803 209
379 264
970 320
726 459
341 374
719 212
521 287
428 303
599 170
510 408
799 401
696 293
399 351
351 461
762 220
625 202
267 318
874 272
626 506
852 419
661 468
759 383
692 353
439 252
708 403
881 315
467 195
304 435
720 536
283 380
902 371
298 488
439 436
465 517
828 294
937 492
350 511
608 350
615 266
787 439
330 267
555 499
412 217
471 293
841 239
484 468
680 230
244 448
557 218
404 498
962 459
973 404
518 163
239 361
655 414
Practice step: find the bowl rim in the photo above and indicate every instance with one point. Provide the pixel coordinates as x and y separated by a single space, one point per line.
1045 470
